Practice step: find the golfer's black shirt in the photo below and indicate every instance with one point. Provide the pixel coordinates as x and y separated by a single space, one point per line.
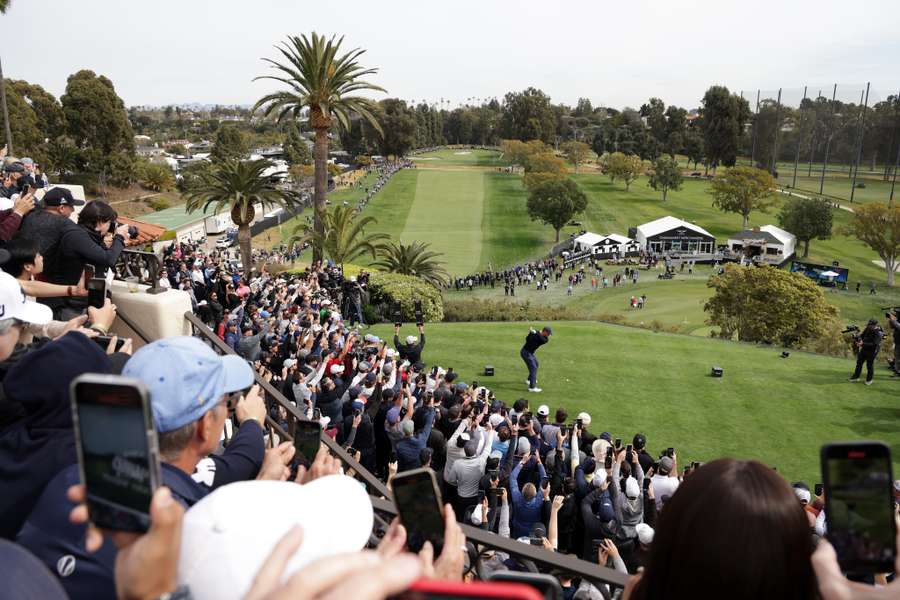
533 341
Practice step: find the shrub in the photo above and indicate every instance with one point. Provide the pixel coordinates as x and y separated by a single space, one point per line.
158 203
157 178
475 309
387 288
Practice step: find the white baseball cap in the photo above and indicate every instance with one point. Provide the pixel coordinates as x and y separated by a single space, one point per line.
411 339
645 533
543 410
14 304
223 546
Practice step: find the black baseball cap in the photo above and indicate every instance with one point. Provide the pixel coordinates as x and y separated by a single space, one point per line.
60 196
14 167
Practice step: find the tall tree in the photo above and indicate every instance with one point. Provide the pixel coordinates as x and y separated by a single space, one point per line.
583 108
623 166
765 304
321 80
676 124
576 152
95 114
742 190
555 202
541 167
655 114
722 118
344 238
665 175
807 218
398 125
528 115
230 144
877 225
239 186
693 145
295 148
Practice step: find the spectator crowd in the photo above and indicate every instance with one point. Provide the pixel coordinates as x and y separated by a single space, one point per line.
538 475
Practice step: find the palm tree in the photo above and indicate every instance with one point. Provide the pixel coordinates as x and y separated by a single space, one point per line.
239 185
4 6
413 259
343 238
322 81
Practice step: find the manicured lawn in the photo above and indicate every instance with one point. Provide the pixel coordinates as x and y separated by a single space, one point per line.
768 408
838 186
466 157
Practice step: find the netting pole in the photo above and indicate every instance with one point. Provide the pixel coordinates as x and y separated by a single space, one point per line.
777 131
753 146
828 141
812 142
797 156
859 140
896 162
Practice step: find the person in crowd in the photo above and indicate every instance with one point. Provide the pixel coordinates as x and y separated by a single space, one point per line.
83 245
412 349
527 504
409 448
729 543
894 326
867 347
533 341
46 226
665 481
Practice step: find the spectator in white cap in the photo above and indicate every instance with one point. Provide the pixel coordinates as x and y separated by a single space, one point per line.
412 349
16 313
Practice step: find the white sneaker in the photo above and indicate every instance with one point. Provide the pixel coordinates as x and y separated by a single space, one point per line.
535 389
854 380
869 382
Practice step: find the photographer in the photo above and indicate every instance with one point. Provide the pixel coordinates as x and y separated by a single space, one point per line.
83 245
894 326
868 342
412 349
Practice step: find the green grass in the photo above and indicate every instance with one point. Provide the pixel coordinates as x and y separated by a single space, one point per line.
460 157
775 410
839 187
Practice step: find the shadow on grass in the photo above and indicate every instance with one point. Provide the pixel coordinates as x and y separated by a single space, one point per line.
877 422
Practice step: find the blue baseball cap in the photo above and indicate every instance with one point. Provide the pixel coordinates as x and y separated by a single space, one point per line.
186 378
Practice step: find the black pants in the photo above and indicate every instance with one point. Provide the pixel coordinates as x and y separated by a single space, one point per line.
868 357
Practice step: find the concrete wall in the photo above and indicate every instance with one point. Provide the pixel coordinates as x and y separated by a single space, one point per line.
158 315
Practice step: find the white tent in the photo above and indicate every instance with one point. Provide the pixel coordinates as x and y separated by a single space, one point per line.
768 244
670 234
586 241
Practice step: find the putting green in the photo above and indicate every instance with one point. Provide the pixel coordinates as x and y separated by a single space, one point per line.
446 212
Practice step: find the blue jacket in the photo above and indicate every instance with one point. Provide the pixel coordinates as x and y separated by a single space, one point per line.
409 448
231 340
525 512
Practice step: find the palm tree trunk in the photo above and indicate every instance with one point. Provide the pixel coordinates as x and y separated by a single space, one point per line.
320 153
244 245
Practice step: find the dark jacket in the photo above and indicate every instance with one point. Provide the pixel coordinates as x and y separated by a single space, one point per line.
410 352
409 448
9 223
79 247
35 448
45 229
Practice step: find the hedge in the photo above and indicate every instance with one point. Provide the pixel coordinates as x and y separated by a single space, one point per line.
387 288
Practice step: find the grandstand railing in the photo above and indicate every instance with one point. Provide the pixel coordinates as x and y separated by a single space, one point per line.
140 268
383 504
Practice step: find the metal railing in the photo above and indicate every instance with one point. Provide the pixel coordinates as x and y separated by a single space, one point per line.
135 266
381 497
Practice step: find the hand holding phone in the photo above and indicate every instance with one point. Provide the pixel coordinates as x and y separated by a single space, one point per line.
117 450
859 506
419 506
96 289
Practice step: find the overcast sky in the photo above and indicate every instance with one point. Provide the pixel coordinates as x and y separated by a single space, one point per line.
614 53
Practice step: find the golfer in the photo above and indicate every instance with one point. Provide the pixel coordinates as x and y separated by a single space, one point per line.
533 341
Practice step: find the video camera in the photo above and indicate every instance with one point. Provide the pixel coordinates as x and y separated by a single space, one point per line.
891 309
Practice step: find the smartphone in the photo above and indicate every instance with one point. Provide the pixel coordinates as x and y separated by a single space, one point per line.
307 437
545 482
494 474
628 448
859 505
317 414
96 289
618 443
580 423
103 342
818 489
595 546
670 452
646 483
607 464
419 506
419 313
89 272
118 457
351 450
695 465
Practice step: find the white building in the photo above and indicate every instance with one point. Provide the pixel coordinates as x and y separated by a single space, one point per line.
768 244
605 246
669 234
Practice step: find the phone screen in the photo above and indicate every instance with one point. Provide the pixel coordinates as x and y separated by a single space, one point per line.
96 289
307 436
117 452
103 342
859 506
607 464
418 503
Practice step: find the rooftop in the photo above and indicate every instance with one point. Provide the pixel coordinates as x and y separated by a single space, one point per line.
175 217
